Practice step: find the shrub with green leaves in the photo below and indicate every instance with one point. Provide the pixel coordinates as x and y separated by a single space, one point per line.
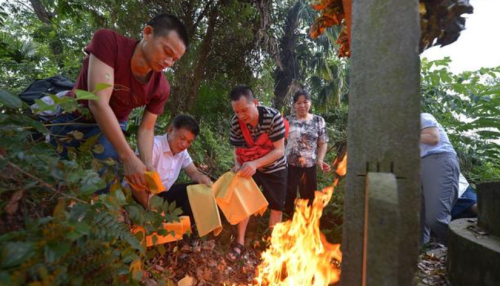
467 105
54 230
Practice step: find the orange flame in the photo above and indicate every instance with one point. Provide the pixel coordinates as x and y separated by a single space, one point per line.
299 253
341 164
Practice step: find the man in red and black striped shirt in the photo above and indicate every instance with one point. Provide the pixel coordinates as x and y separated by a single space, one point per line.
269 169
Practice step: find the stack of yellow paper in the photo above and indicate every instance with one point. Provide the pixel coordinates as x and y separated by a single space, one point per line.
153 183
205 212
179 228
238 197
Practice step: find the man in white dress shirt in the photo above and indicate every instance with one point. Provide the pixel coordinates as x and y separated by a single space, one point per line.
169 156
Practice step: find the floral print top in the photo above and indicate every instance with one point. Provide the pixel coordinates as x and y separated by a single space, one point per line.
303 139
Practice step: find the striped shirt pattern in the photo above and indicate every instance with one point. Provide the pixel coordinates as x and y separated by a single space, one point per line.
270 122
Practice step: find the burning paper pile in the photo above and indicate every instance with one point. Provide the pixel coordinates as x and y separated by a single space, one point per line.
299 253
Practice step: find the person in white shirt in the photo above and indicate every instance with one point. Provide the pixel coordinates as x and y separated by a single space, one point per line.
169 156
466 205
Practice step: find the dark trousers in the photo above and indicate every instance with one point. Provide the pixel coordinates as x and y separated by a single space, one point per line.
178 194
303 179
440 173
462 208
101 149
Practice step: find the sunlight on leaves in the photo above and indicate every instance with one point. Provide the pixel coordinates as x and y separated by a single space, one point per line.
83 94
101 86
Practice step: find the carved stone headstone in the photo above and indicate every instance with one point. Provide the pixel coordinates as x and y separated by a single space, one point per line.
381 242
383 127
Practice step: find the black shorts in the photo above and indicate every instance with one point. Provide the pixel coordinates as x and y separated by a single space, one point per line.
274 187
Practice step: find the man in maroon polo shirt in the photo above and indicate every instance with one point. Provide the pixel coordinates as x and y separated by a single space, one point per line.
134 71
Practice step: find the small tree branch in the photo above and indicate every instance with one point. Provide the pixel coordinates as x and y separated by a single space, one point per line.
202 15
26 6
45 184
41 12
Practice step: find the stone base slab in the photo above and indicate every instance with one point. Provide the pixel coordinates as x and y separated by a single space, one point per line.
473 255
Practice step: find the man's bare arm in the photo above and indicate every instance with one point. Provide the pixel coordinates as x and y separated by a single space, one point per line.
145 137
99 72
429 136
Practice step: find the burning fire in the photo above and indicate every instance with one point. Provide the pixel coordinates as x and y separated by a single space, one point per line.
299 253
340 166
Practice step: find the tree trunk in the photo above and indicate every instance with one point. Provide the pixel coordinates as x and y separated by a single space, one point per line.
188 77
202 61
41 12
284 77
55 44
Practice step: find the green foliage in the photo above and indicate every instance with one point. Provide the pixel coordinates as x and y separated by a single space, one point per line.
213 104
10 101
327 79
32 48
211 150
467 105
332 219
53 230
73 246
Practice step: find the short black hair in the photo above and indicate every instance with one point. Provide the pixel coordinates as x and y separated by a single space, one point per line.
165 23
299 93
241 91
186 122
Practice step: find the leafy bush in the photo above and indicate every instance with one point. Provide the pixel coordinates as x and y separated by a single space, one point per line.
466 104
53 230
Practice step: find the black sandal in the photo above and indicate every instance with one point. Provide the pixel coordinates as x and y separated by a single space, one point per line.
233 255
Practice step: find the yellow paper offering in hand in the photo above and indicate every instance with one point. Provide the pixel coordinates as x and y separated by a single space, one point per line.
154 183
205 211
238 197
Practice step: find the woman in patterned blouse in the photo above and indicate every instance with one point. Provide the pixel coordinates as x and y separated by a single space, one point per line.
306 149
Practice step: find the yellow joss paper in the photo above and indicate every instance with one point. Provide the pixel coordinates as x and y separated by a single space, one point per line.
205 212
238 197
154 182
179 228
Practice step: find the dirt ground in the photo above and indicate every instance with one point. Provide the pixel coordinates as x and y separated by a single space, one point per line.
202 262
432 266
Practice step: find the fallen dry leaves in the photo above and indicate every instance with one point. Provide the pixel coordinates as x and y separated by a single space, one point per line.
204 266
432 267
207 265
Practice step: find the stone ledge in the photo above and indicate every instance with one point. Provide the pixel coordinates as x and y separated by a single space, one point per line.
473 257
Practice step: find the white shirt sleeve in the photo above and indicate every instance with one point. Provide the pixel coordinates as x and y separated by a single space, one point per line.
462 185
186 159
